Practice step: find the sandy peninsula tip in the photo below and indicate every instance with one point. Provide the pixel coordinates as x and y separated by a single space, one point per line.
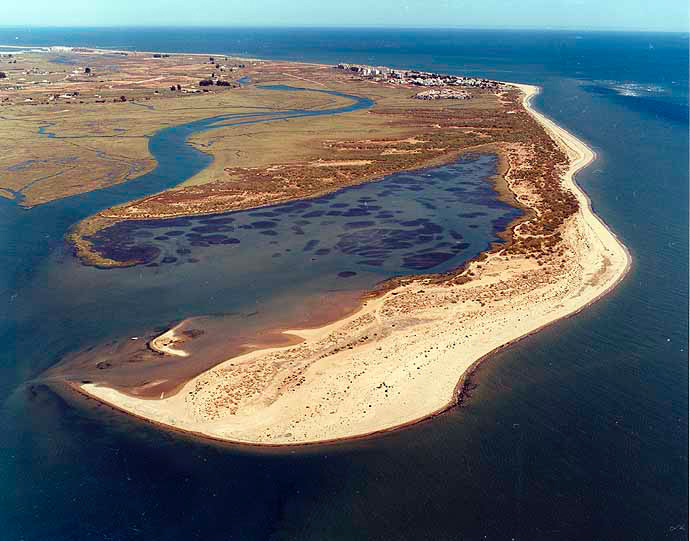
400 357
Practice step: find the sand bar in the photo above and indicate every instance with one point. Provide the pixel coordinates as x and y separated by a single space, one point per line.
401 357
166 342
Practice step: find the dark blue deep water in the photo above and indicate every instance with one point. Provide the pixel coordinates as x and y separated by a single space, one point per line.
578 432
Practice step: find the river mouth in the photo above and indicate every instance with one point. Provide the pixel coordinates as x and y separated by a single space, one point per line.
293 265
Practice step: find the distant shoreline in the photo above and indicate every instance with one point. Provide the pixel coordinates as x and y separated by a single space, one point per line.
98 50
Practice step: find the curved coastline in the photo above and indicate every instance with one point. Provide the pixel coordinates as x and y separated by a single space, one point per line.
430 394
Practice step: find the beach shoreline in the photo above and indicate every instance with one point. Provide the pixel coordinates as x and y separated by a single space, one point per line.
606 269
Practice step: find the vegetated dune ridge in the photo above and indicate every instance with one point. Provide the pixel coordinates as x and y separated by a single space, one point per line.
399 359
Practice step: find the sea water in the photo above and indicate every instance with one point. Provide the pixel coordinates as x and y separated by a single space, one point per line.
578 432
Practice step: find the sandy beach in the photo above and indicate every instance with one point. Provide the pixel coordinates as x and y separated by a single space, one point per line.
400 358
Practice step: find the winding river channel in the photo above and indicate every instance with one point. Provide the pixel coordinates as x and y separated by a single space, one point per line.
43 228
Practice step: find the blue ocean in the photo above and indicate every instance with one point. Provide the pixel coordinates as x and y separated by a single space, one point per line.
577 432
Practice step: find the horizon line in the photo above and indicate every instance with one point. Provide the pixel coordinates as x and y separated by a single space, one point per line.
346 27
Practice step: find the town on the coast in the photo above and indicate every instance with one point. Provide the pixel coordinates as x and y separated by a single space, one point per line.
384 74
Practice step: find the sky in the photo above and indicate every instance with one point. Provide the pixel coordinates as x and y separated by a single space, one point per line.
652 15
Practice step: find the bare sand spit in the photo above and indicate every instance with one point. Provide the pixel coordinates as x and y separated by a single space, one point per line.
399 359
166 343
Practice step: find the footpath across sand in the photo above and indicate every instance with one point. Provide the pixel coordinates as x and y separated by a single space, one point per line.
401 357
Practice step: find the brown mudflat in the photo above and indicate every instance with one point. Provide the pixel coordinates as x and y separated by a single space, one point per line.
130 365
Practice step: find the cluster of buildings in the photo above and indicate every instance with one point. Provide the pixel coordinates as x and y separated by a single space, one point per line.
413 77
442 94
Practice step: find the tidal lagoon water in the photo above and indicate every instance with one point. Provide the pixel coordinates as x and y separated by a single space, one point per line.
263 269
417 221
578 432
